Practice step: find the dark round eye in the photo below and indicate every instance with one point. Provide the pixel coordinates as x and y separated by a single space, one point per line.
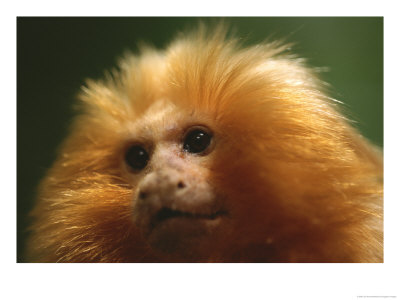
196 141
137 157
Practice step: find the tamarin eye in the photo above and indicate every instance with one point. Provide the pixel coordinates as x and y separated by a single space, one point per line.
137 157
196 141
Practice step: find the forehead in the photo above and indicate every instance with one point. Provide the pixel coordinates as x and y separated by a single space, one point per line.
161 120
167 120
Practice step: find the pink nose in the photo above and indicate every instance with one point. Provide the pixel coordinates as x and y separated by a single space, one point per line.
163 184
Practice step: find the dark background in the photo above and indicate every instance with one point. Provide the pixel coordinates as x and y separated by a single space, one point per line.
56 55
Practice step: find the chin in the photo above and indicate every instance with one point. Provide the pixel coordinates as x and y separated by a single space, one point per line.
187 238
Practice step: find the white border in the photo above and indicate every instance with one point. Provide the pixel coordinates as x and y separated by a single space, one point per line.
198 281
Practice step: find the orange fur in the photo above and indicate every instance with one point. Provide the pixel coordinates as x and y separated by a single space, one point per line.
300 183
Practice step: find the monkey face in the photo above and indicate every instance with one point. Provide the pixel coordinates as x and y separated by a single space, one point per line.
175 206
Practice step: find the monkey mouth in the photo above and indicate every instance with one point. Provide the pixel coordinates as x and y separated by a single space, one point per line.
166 213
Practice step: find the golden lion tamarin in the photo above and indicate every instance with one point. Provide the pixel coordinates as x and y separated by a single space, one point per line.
210 152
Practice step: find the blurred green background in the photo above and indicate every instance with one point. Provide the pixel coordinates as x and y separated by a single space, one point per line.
56 55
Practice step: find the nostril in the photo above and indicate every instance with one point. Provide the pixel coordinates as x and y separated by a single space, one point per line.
142 195
181 185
